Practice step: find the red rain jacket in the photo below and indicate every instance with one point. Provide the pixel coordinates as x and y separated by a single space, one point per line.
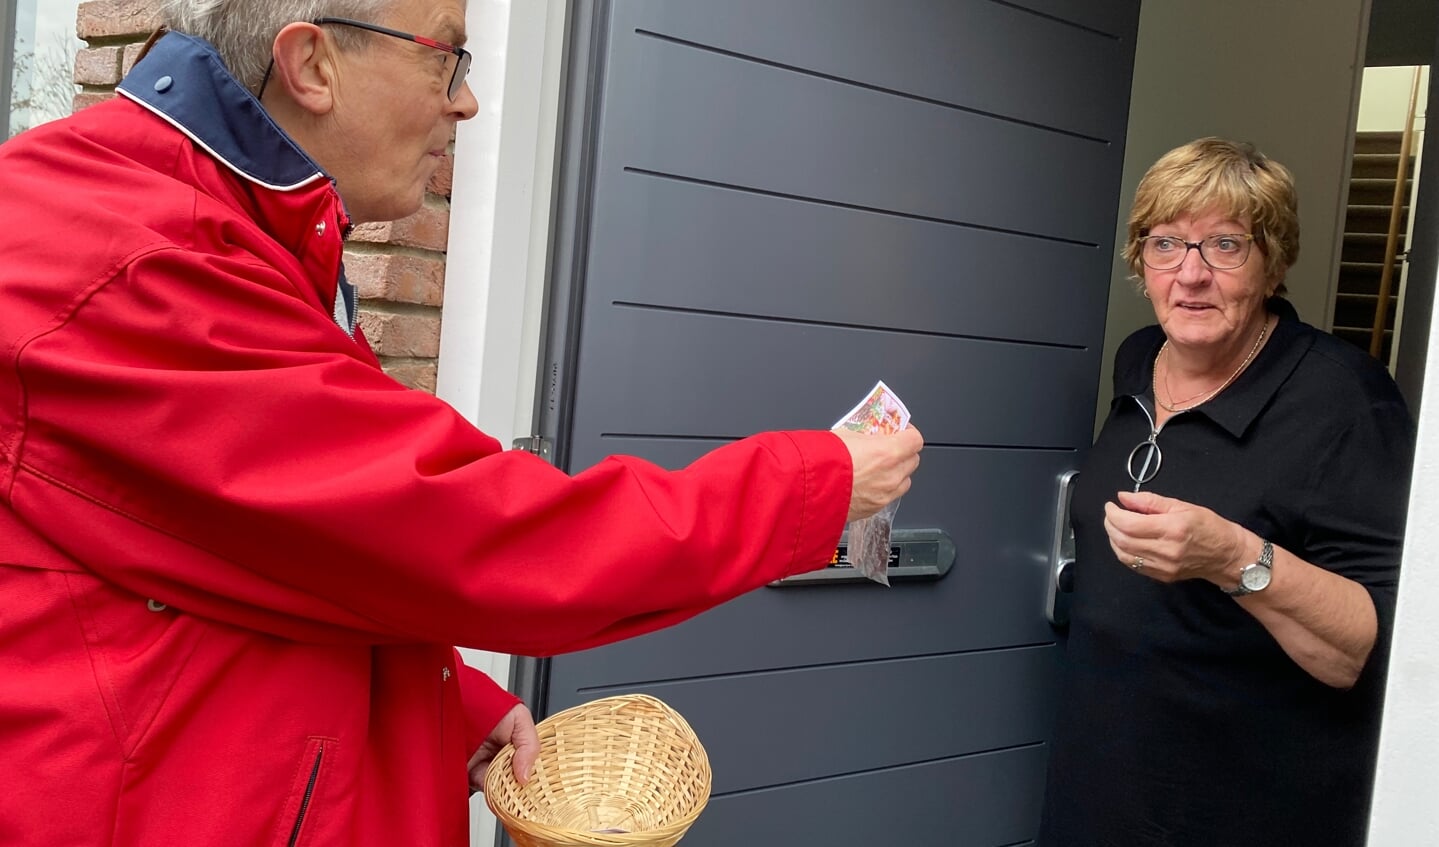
234 553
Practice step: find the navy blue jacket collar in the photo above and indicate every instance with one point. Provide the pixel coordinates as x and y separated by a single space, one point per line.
184 82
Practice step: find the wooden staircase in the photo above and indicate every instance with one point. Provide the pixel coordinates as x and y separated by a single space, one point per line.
1366 225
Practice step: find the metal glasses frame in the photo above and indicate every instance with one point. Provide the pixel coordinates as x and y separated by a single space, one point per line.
1246 237
462 65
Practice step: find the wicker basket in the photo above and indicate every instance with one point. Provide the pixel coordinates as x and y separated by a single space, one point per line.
622 770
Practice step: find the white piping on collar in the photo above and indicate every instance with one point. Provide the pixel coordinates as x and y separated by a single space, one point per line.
188 134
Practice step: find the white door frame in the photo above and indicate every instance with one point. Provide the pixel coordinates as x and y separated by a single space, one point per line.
499 240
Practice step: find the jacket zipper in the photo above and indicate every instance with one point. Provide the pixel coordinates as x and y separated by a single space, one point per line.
444 678
309 791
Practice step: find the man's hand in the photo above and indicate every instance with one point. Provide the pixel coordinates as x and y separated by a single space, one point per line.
882 468
517 727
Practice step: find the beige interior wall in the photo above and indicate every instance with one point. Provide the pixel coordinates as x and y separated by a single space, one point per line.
1384 101
1283 74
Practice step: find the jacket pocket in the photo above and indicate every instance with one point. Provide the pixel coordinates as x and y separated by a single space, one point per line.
300 814
138 649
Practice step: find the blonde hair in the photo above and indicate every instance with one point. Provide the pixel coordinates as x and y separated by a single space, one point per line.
1231 177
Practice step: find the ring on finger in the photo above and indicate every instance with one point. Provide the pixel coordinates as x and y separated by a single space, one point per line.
1138 563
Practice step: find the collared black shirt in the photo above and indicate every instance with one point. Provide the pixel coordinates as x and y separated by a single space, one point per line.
1183 722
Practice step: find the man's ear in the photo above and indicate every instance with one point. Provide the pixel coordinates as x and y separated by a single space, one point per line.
305 67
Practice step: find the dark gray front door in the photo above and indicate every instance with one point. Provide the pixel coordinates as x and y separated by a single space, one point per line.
770 204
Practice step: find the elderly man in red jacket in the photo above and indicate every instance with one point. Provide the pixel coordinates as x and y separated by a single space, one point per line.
233 553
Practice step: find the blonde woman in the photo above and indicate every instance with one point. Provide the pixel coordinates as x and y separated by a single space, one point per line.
1238 526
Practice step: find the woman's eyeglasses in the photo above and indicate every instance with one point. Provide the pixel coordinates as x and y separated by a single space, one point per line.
1221 252
1144 461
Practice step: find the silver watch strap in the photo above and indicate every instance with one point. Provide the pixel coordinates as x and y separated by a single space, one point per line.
1265 560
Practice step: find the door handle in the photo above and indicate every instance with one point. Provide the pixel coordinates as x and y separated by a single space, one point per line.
1060 583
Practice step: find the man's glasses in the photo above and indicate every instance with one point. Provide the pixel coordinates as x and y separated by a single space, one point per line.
1144 461
462 66
1221 252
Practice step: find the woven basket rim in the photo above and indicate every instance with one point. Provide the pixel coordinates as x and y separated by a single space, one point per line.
500 782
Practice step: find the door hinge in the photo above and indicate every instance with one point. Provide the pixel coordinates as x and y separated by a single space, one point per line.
536 444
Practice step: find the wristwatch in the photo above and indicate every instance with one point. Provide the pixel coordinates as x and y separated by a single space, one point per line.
1255 577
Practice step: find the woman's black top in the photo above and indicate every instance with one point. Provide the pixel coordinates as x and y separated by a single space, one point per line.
1182 721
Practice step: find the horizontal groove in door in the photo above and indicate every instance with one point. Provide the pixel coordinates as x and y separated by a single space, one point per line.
711 313
987 799
1009 697
1056 19
840 204
879 89
678 244
600 690
701 116
760 789
960 391
968 53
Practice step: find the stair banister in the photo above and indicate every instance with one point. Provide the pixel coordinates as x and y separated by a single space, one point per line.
1396 214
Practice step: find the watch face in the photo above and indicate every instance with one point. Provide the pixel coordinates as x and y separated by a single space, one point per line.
1254 577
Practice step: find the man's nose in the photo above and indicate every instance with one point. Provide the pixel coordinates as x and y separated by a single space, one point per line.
465 105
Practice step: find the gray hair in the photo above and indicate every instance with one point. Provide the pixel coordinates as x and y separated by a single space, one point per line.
243 31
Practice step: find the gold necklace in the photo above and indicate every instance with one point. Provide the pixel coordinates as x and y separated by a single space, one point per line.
1170 391
1179 406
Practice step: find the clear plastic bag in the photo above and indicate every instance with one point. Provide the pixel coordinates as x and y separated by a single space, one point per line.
868 544
880 412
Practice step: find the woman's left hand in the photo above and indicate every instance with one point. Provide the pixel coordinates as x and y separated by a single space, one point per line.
1170 540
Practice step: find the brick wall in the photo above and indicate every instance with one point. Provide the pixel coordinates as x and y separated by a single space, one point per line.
399 267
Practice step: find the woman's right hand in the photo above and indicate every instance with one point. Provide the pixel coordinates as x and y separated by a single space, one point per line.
882 465
1176 540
